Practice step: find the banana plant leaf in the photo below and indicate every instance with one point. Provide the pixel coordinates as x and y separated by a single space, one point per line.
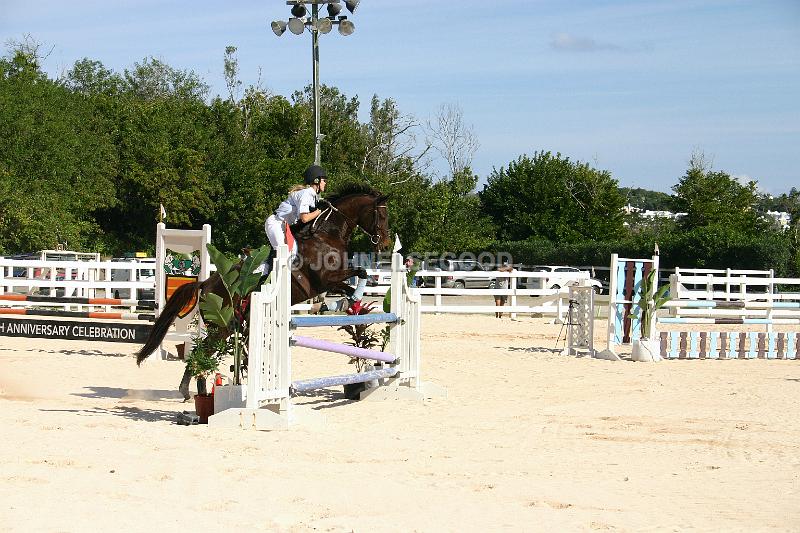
214 311
225 268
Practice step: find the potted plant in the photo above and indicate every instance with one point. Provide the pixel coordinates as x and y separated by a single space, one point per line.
229 317
362 336
202 361
646 348
239 280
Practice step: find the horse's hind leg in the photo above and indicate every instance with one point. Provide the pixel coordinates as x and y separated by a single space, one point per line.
184 386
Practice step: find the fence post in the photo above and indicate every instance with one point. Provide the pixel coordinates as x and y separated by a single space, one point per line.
513 286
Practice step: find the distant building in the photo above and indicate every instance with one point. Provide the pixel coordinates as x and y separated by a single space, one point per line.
781 218
629 209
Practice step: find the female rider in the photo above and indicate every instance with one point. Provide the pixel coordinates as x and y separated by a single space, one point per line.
302 204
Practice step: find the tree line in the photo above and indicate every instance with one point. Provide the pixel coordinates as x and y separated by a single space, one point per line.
87 158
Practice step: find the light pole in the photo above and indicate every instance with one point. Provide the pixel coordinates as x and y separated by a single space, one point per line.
298 23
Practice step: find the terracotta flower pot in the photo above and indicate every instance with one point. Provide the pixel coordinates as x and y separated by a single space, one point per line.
204 406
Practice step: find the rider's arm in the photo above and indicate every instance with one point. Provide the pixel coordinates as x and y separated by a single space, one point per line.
308 217
307 202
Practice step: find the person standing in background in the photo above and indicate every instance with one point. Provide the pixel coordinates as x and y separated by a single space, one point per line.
502 283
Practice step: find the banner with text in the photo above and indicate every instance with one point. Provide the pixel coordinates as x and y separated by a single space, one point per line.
72 330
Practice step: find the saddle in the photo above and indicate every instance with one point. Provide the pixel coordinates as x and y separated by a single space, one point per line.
303 231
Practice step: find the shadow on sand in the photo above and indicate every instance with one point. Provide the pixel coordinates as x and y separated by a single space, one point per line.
130 413
131 394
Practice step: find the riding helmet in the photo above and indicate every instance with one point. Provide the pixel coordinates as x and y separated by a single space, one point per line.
313 174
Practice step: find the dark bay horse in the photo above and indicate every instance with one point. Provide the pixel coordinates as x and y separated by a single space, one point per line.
321 262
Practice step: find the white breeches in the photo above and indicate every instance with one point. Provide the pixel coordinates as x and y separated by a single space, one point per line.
276 234
274 229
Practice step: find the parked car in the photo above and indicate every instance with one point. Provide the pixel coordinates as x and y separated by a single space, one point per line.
462 276
52 255
563 278
142 274
22 272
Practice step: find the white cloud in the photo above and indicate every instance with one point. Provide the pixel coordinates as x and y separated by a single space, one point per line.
565 42
571 43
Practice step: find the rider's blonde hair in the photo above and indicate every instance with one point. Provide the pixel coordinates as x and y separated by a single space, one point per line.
297 187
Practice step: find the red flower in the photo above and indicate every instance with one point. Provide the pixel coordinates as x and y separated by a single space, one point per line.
360 308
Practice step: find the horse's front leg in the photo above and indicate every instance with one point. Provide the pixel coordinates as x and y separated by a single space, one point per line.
353 272
342 287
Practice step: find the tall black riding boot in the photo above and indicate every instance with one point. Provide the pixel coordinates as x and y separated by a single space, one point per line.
267 266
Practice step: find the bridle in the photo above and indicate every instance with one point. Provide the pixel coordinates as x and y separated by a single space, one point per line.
374 237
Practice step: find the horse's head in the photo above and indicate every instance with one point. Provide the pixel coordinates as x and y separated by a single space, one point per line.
379 223
367 208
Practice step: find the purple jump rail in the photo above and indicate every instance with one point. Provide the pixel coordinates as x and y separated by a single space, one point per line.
352 351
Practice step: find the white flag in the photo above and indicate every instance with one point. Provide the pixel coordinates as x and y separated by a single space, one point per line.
397 243
162 212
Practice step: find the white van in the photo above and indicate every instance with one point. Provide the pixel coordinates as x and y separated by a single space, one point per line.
563 276
147 274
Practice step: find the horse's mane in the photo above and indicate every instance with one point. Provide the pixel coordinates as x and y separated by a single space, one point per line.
352 189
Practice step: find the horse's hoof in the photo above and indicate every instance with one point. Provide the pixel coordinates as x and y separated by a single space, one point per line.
318 308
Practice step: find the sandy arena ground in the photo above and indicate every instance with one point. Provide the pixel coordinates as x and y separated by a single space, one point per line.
528 440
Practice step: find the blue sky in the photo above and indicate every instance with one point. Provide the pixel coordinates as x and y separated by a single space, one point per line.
633 87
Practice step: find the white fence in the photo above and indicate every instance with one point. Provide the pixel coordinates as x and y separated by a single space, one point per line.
520 299
82 279
740 293
104 279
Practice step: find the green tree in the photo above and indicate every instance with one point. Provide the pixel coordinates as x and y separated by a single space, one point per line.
451 217
551 197
153 79
56 160
90 78
646 199
342 146
713 198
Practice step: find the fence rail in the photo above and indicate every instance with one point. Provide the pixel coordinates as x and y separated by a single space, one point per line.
95 279
743 294
77 279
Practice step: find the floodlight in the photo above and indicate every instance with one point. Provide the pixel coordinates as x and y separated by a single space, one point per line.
299 10
334 9
296 26
324 25
351 5
278 27
346 27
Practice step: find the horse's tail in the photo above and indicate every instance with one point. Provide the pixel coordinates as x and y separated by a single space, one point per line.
177 301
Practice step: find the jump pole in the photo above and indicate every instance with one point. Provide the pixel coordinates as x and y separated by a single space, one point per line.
352 351
24 299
